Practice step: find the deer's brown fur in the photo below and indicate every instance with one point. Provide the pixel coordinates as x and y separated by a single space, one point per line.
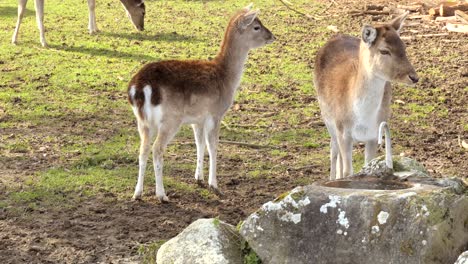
166 94
352 78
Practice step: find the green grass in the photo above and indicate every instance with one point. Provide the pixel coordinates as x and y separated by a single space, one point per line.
66 104
72 94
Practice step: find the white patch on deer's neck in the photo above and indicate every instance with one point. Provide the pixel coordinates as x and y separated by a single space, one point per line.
366 107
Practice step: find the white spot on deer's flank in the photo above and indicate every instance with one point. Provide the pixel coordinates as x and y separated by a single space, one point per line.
334 200
342 220
132 92
382 217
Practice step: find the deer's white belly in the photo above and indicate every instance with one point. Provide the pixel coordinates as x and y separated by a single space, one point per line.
366 125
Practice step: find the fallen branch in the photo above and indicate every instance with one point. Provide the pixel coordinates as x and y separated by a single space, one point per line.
303 168
228 142
295 10
459 28
424 36
446 19
461 16
355 13
244 144
412 8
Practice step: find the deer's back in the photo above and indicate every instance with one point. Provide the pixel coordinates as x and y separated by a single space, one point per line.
336 65
177 78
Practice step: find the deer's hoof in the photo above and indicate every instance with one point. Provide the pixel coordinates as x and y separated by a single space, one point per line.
136 197
163 198
200 183
216 191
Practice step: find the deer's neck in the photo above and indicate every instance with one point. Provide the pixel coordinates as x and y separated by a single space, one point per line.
231 59
368 89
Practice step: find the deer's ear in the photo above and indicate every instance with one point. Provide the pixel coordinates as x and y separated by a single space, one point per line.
369 34
248 18
247 8
397 23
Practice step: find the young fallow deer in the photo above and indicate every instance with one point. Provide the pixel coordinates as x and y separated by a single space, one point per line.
135 11
352 78
164 95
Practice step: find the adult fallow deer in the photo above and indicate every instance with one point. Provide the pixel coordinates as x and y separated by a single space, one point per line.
352 78
135 11
164 95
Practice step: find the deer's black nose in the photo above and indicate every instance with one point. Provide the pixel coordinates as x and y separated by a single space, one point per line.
414 78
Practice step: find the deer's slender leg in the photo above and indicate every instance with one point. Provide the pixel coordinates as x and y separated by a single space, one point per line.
21 8
212 139
146 135
345 144
39 4
370 151
166 132
334 153
199 132
92 27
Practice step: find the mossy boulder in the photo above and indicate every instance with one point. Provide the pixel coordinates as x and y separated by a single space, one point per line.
362 220
205 241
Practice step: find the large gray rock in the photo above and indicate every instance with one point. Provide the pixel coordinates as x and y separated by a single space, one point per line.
205 241
463 258
351 221
410 170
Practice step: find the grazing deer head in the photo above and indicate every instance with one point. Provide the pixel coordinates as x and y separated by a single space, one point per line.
135 12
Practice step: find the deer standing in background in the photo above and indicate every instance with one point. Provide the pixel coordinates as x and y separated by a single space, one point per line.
135 11
352 78
164 95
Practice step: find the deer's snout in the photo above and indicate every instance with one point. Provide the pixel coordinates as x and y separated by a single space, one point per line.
413 77
271 39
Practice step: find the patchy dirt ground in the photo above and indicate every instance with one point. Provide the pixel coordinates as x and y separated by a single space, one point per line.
109 230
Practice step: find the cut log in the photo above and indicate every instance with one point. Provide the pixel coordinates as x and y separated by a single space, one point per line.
462 16
374 7
434 11
454 27
412 8
449 10
446 19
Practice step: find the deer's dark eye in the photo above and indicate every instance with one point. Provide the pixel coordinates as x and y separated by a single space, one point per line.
256 28
384 52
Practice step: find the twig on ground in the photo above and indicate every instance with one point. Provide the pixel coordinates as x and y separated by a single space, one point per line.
287 4
226 125
303 168
244 144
